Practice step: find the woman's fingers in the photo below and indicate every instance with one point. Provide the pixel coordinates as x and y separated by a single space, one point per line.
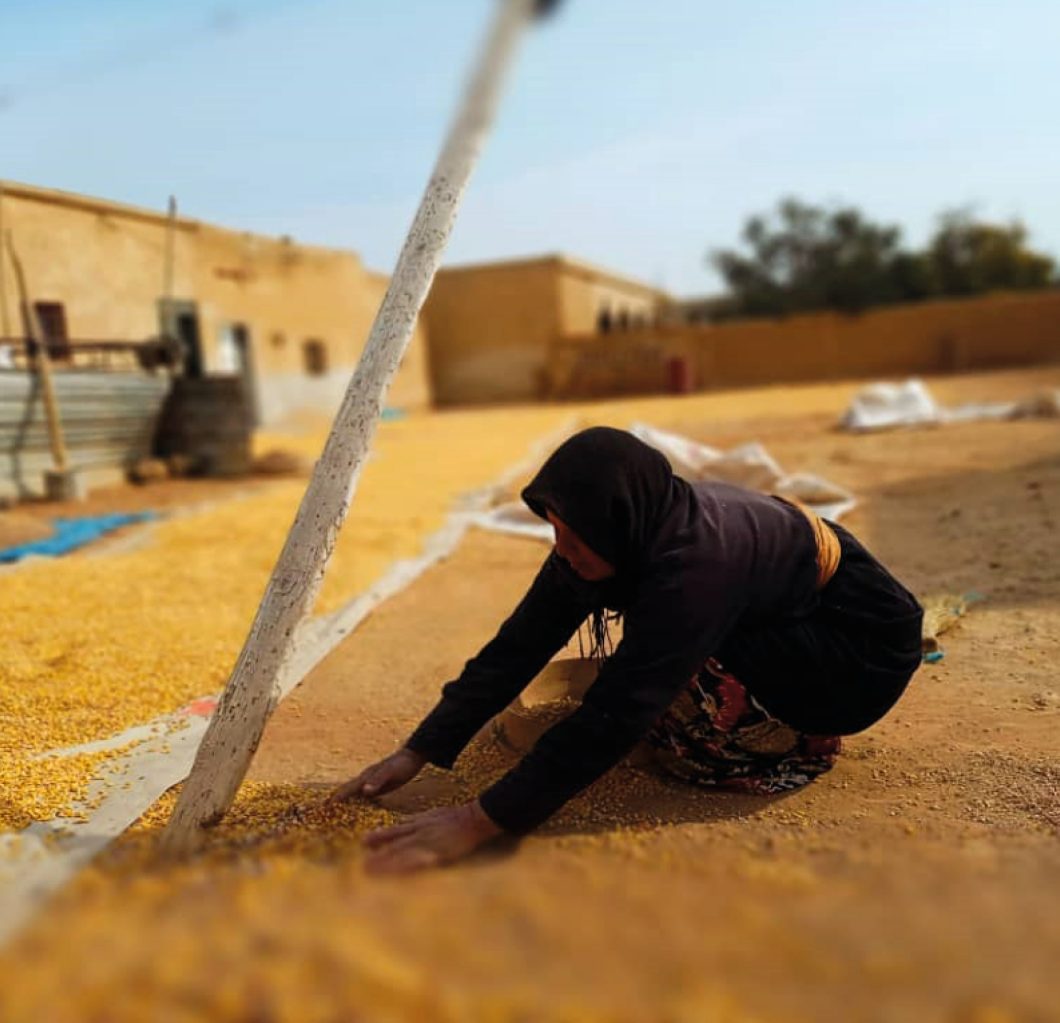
347 790
379 779
414 849
372 781
383 836
417 822
425 840
382 777
401 860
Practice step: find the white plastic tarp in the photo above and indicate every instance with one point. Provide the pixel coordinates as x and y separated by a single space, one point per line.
749 465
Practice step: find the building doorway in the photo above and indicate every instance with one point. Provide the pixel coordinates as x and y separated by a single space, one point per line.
179 319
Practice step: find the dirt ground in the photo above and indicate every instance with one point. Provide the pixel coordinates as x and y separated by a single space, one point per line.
919 880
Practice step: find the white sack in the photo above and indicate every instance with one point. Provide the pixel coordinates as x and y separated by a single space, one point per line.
884 406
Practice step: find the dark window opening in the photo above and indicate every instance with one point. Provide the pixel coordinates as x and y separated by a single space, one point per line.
315 357
187 325
51 318
603 321
623 320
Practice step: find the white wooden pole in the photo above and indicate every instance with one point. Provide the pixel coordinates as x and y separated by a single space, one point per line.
251 693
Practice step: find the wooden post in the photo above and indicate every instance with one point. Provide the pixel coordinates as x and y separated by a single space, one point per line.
252 690
41 362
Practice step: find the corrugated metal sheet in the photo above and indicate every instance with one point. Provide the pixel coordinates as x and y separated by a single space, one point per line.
108 422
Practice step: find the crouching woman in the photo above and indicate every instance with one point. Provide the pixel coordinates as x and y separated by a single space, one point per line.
755 635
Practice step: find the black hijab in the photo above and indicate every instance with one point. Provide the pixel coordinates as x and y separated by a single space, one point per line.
612 489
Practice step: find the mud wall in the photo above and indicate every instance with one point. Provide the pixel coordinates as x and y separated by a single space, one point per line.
934 337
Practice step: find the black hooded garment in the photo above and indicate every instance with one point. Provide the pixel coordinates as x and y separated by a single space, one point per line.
702 570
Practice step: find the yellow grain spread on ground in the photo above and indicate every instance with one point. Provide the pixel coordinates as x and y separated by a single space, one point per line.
276 920
93 645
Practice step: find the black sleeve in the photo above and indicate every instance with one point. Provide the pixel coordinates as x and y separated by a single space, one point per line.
666 639
553 608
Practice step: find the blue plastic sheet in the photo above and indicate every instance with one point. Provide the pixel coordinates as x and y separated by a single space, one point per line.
70 534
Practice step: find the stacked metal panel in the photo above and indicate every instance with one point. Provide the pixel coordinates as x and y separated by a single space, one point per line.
108 423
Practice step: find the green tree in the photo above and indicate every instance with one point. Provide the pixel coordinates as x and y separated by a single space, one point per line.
807 257
970 257
804 257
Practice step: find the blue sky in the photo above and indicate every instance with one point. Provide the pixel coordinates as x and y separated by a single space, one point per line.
636 135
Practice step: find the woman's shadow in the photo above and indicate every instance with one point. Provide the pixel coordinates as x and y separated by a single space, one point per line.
645 797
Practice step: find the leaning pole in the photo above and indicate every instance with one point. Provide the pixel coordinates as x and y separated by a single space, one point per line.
252 690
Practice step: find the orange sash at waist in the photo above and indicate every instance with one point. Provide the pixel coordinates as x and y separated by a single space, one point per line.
828 550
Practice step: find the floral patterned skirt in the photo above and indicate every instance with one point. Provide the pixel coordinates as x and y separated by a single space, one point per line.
715 734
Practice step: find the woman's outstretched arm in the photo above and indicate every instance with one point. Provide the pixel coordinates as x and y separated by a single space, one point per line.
553 608
544 620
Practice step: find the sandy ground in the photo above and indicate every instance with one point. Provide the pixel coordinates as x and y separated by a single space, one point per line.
919 880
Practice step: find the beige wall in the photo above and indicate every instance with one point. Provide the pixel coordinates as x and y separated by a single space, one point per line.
105 264
491 328
993 331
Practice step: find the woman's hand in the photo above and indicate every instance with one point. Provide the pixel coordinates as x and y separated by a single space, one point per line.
429 839
390 773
